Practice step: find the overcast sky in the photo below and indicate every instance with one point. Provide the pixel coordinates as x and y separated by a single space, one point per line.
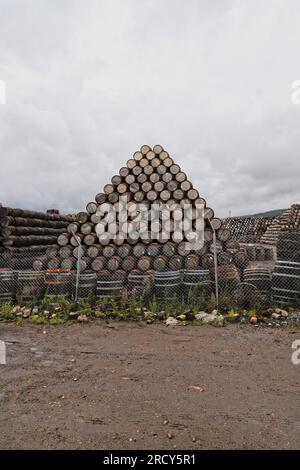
89 82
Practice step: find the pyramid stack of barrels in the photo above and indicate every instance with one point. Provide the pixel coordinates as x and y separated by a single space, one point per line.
150 176
25 235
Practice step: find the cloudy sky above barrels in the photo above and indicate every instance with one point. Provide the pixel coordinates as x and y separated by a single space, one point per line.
89 82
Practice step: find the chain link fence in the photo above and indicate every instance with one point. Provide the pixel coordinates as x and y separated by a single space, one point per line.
256 277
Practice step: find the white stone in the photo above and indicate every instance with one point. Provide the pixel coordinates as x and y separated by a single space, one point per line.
171 321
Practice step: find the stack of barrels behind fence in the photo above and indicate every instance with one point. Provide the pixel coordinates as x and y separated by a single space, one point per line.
26 235
255 252
248 229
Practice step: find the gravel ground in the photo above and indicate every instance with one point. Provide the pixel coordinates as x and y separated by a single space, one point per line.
138 386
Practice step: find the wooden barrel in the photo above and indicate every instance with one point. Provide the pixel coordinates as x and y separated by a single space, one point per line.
260 277
68 263
101 198
39 263
150 155
58 282
82 217
7 285
178 194
148 170
157 149
208 213
224 234
65 251
139 250
79 251
229 277
175 169
216 223
225 257
154 178
98 263
138 156
152 195
87 287
167 286
182 249
175 263
233 246
113 263
73 240
84 263
193 278
240 259
124 250
29 286
86 228
163 155
130 179
139 283
51 252
167 177
108 251
153 249
54 263
286 282
91 207
124 171
192 261
108 285
207 261
128 263
208 235
155 162
161 169
288 246
137 170
93 251
144 263
63 239
160 263
169 249
180 176
218 247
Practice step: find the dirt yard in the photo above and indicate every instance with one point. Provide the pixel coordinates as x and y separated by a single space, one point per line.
138 386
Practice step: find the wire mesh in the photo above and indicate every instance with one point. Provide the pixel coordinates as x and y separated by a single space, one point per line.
267 276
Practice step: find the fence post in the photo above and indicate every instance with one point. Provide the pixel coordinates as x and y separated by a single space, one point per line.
215 265
77 265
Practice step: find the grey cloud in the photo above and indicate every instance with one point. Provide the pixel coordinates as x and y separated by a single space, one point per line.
89 82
